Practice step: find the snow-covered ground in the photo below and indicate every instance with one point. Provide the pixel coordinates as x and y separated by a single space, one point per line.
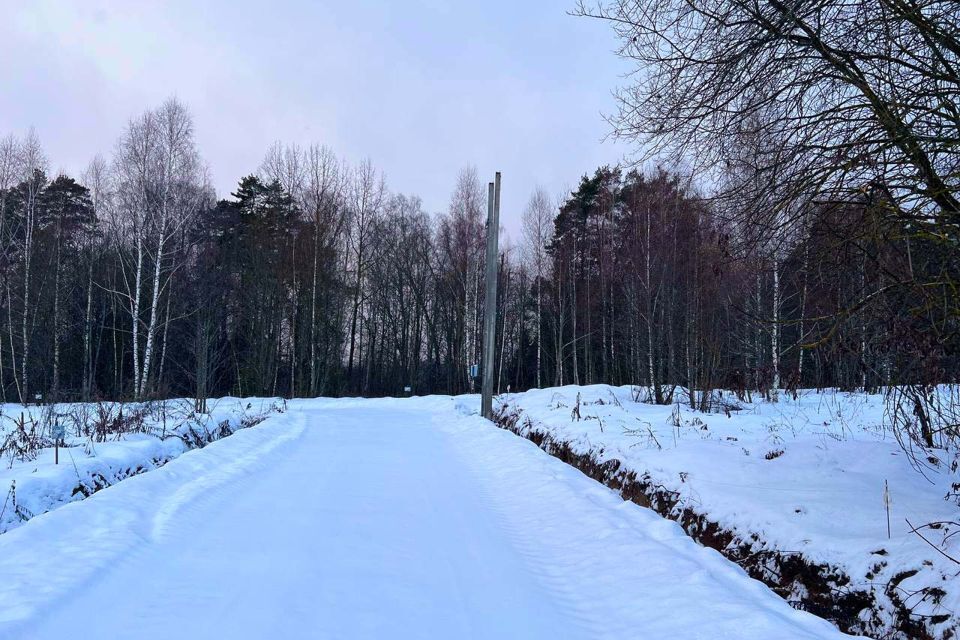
405 518
803 475
135 437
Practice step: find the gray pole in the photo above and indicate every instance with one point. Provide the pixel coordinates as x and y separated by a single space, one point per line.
490 299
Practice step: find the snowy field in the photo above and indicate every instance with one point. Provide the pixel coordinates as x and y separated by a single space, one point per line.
386 518
806 475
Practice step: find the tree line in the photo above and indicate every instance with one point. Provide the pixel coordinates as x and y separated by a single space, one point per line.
313 278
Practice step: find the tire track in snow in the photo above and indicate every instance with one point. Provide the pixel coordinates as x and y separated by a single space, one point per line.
638 571
220 475
517 533
86 540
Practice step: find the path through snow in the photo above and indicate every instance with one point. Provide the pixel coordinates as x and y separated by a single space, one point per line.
373 519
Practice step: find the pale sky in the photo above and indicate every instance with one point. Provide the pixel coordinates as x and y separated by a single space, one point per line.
421 87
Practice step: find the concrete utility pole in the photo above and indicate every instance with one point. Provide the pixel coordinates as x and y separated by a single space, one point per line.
490 299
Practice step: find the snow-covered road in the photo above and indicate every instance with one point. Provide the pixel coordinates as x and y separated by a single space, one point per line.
373 519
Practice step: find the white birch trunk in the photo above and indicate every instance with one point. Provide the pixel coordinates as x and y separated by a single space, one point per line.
539 341
154 303
775 330
56 325
87 336
135 314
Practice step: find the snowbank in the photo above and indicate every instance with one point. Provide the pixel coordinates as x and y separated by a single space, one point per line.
793 491
56 553
148 437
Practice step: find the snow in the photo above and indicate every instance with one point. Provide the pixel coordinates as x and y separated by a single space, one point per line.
33 487
407 518
804 475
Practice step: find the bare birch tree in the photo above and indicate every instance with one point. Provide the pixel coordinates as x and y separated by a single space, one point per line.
96 177
9 173
367 194
160 187
33 165
537 232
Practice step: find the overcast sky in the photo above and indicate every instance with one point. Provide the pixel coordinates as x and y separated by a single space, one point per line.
422 87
